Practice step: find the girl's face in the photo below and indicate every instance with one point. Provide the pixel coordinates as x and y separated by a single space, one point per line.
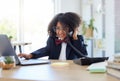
61 31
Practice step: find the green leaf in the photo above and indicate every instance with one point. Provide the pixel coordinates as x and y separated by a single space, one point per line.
8 60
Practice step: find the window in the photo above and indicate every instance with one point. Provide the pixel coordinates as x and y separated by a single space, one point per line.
36 15
9 14
26 20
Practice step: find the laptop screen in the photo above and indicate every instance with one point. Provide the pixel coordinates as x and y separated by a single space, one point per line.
6 48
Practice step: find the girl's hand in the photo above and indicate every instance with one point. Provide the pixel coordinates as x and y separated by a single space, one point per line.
27 56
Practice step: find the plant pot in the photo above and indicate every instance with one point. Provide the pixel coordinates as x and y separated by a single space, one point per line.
8 66
89 33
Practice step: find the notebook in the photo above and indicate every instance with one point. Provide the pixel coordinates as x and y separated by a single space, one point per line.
6 49
99 67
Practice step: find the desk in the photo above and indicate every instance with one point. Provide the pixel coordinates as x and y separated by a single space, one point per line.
46 72
20 44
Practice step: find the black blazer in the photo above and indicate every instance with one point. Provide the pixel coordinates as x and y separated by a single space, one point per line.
53 51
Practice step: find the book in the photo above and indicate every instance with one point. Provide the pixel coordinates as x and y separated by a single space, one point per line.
113 64
113 72
117 58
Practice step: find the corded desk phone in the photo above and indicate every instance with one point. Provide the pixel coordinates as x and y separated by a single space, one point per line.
89 60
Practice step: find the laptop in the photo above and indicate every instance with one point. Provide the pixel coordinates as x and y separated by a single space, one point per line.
6 49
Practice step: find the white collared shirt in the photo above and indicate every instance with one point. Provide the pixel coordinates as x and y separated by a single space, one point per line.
62 56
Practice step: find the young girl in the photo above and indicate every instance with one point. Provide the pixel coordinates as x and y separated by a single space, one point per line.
62 34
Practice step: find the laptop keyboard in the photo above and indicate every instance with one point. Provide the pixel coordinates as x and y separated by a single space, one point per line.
32 61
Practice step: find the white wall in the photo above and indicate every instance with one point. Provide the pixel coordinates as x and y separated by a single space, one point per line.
110 27
67 6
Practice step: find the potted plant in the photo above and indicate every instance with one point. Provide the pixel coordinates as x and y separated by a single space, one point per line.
88 29
8 62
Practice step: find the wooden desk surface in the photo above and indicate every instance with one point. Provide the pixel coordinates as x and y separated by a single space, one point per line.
51 72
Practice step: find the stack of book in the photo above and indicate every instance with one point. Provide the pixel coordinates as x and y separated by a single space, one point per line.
113 67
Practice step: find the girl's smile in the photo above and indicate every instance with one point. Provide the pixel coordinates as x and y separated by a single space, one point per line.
60 31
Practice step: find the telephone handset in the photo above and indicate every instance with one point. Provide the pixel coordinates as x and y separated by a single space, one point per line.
70 33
